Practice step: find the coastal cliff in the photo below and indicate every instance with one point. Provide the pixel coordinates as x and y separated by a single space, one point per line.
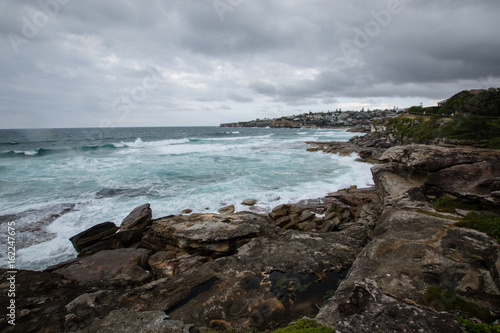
387 258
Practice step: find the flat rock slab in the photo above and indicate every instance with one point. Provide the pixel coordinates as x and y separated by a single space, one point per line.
129 321
108 269
207 232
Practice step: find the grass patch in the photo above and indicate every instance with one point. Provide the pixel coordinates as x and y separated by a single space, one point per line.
477 327
490 225
300 326
442 216
443 300
304 326
448 205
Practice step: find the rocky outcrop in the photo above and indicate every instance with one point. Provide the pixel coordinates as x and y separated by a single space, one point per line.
369 147
93 235
208 234
358 260
137 219
414 248
107 269
331 213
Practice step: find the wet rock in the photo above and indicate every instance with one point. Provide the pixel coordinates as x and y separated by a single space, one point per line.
227 209
249 202
93 235
279 211
305 216
138 219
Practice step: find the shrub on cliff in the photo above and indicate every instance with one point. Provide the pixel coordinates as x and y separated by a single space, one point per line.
488 224
472 128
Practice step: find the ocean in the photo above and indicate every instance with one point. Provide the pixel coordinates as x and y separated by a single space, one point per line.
55 183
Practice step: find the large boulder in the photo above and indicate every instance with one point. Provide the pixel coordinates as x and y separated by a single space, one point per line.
139 218
470 174
205 233
93 235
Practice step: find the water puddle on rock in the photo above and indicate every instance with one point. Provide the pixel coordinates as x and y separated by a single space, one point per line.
304 294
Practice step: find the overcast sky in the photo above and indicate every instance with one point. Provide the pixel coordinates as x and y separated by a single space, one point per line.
69 63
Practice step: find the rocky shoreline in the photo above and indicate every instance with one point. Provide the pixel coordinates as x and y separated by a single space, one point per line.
357 260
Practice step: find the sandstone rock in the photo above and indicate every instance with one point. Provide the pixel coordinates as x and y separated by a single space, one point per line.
249 202
115 241
227 210
307 226
206 233
161 265
39 300
167 264
305 216
283 221
330 224
279 211
129 321
366 309
93 235
103 245
187 211
109 269
138 218
411 252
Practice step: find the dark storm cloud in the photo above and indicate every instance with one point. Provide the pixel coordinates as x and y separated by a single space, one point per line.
76 63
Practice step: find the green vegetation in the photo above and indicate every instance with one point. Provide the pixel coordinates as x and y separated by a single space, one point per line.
478 327
424 129
465 116
448 205
301 326
486 103
304 326
484 223
443 300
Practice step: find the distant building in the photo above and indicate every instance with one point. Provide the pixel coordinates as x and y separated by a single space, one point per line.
476 91
441 103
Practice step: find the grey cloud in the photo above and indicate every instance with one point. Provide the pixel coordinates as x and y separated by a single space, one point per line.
263 55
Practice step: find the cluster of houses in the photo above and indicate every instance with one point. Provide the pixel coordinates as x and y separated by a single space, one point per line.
319 119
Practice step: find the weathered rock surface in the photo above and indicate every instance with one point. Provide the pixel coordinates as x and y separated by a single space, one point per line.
138 218
129 321
364 308
205 233
108 269
227 209
93 235
412 250
249 202
40 300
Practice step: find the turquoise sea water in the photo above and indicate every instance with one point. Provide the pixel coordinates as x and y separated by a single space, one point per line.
56 183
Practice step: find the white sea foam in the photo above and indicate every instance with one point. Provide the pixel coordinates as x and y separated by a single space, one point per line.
189 170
